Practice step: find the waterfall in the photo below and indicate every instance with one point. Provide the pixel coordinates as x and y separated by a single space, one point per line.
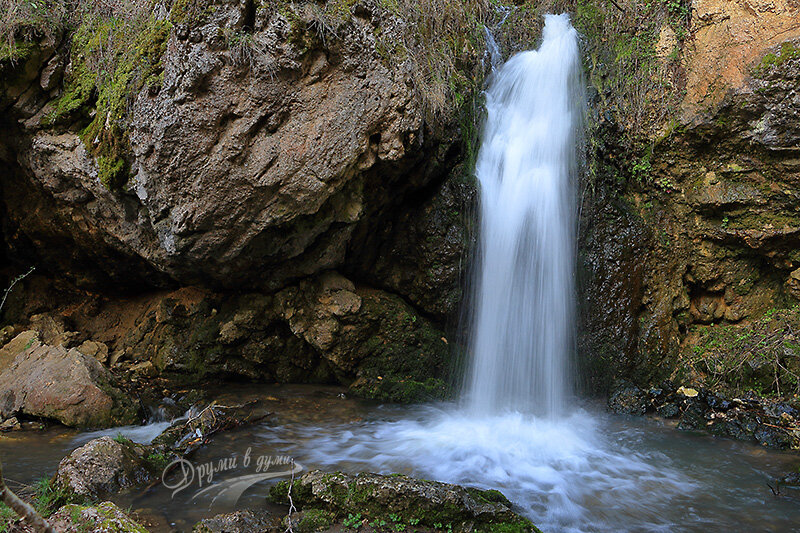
521 337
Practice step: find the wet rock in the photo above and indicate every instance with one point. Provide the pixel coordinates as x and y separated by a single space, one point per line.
6 334
11 424
323 329
717 402
105 517
240 522
66 385
422 252
694 416
105 466
411 501
668 410
790 480
628 399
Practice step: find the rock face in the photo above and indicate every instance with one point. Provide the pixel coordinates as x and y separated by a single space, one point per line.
240 174
699 229
270 147
408 501
53 382
322 330
727 39
102 518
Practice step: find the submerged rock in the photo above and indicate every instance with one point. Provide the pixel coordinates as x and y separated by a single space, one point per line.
105 517
403 501
107 466
66 385
240 522
628 399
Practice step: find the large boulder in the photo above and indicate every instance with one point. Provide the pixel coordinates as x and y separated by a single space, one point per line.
241 172
403 501
66 385
105 466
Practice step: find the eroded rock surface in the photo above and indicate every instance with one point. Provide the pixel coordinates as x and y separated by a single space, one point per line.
66 385
240 522
241 173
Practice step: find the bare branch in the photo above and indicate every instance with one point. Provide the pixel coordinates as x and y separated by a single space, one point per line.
14 282
24 510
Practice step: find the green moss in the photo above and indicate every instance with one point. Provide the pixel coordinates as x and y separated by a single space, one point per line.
49 497
315 520
131 62
403 390
279 493
108 520
787 52
776 220
16 53
157 461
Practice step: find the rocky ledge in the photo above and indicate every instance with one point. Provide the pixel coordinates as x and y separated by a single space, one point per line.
771 423
395 502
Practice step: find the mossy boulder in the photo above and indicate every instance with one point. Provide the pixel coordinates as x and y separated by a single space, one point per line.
239 522
102 518
403 501
106 466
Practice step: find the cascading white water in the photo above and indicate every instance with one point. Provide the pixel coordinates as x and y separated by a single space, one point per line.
564 470
522 331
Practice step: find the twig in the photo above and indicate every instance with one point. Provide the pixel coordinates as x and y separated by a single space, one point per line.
617 5
24 510
776 491
292 508
16 280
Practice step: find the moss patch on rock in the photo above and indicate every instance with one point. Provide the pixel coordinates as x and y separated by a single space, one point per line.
112 60
398 502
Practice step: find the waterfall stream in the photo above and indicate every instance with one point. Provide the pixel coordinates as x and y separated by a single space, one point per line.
567 465
526 167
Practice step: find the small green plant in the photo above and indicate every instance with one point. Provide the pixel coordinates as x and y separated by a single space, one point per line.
7 517
725 222
378 524
353 521
642 168
49 497
122 439
158 461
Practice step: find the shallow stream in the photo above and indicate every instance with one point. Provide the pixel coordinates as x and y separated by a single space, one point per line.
589 471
